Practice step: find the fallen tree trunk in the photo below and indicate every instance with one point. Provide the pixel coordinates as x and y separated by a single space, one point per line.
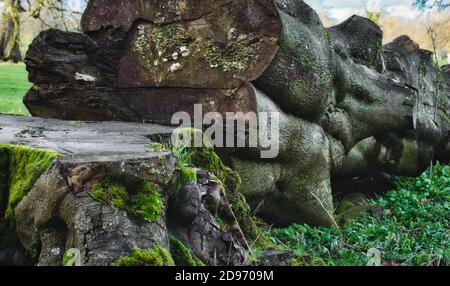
348 105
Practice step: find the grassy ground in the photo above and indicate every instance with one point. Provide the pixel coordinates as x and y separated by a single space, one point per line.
13 86
413 228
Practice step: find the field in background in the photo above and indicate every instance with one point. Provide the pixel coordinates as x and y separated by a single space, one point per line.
13 86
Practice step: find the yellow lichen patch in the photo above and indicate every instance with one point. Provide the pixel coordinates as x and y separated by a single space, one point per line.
162 47
169 39
142 46
238 54
174 6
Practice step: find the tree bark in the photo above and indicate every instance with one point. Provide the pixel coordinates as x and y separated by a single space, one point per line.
347 104
10 32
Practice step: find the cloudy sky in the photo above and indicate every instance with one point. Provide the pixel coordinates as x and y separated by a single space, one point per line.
339 10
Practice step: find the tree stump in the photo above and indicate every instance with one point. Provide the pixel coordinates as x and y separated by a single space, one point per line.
65 207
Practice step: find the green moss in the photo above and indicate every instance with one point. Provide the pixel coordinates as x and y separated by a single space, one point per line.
99 193
111 192
25 166
156 256
119 196
187 174
238 54
66 259
182 255
145 202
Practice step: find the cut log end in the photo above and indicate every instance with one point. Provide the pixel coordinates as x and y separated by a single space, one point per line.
192 44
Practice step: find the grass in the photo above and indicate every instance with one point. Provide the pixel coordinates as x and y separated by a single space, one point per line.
414 229
13 86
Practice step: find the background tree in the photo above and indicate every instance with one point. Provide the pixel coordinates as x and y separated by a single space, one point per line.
427 4
10 31
60 14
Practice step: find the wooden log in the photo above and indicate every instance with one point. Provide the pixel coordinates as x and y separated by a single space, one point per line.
156 105
192 44
333 87
133 67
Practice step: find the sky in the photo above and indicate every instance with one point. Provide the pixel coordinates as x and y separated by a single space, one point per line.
340 10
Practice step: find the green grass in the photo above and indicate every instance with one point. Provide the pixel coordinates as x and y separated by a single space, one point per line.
13 86
413 230
443 62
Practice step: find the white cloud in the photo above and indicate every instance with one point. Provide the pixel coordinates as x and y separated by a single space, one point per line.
340 14
403 11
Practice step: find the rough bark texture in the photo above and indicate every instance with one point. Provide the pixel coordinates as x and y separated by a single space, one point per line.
349 106
140 57
60 211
